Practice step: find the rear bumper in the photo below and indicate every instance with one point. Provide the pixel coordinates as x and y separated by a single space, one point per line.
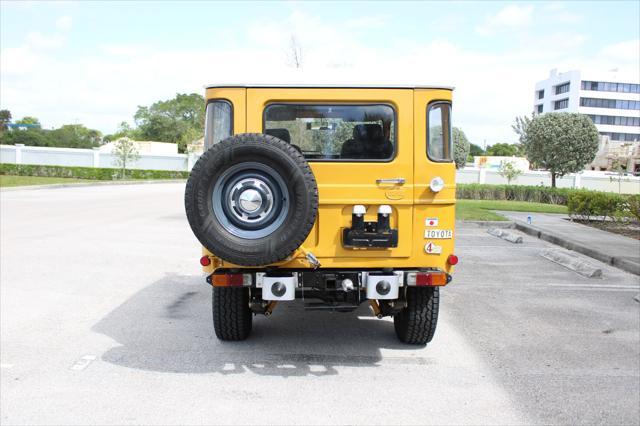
288 284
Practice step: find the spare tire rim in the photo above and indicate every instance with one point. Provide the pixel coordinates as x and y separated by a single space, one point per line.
250 200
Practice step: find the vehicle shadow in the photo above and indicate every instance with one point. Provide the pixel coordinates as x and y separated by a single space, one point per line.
167 327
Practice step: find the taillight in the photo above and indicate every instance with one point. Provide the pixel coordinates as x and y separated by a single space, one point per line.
231 280
205 261
420 279
452 259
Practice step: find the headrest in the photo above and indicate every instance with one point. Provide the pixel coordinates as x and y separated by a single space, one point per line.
280 134
371 131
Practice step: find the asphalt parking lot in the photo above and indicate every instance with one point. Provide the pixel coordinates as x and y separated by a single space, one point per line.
105 319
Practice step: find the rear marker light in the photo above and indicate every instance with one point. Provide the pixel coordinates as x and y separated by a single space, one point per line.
231 280
452 259
422 279
205 261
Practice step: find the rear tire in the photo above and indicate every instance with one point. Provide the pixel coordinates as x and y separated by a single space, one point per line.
232 316
416 324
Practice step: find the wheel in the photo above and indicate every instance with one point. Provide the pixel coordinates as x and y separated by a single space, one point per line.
251 199
416 324
232 316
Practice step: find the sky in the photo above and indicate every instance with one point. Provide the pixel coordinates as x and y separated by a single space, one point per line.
94 63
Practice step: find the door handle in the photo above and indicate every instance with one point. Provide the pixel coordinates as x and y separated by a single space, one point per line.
394 181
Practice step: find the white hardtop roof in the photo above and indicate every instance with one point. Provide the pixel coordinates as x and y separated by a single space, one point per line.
334 86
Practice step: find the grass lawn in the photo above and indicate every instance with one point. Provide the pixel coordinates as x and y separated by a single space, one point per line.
9 180
481 209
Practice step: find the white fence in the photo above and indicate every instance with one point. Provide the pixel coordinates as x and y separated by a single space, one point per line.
599 181
20 154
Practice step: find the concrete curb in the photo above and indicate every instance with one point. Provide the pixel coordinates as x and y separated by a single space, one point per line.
96 183
569 244
491 223
507 236
571 261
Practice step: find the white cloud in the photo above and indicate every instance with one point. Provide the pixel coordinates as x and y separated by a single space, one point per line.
130 49
626 50
561 41
376 22
16 60
64 23
554 6
557 12
508 18
38 40
34 49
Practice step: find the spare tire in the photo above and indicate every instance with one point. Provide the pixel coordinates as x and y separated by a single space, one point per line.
251 199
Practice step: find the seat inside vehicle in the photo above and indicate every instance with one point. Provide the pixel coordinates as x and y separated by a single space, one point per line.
280 134
284 135
368 143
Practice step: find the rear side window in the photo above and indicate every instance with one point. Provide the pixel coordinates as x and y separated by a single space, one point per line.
217 122
335 132
439 146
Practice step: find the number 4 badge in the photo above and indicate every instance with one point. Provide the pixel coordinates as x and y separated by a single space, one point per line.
431 248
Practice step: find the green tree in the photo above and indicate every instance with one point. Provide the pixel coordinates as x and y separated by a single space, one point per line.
125 153
460 147
124 131
618 166
169 121
520 126
561 142
502 150
32 122
29 137
188 137
475 150
5 118
75 136
509 171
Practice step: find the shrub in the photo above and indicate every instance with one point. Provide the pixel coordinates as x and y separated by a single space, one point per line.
534 194
589 205
90 173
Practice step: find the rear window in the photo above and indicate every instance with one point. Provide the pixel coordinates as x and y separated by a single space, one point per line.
335 132
217 122
439 146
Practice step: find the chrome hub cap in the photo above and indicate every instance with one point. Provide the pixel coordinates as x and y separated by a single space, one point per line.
250 200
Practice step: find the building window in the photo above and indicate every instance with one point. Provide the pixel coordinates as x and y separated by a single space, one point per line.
561 104
540 94
562 88
615 120
539 109
604 86
609 103
622 137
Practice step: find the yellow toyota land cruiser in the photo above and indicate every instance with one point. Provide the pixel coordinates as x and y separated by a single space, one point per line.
337 195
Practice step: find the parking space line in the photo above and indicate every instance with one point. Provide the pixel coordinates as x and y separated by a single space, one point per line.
83 362
596 287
